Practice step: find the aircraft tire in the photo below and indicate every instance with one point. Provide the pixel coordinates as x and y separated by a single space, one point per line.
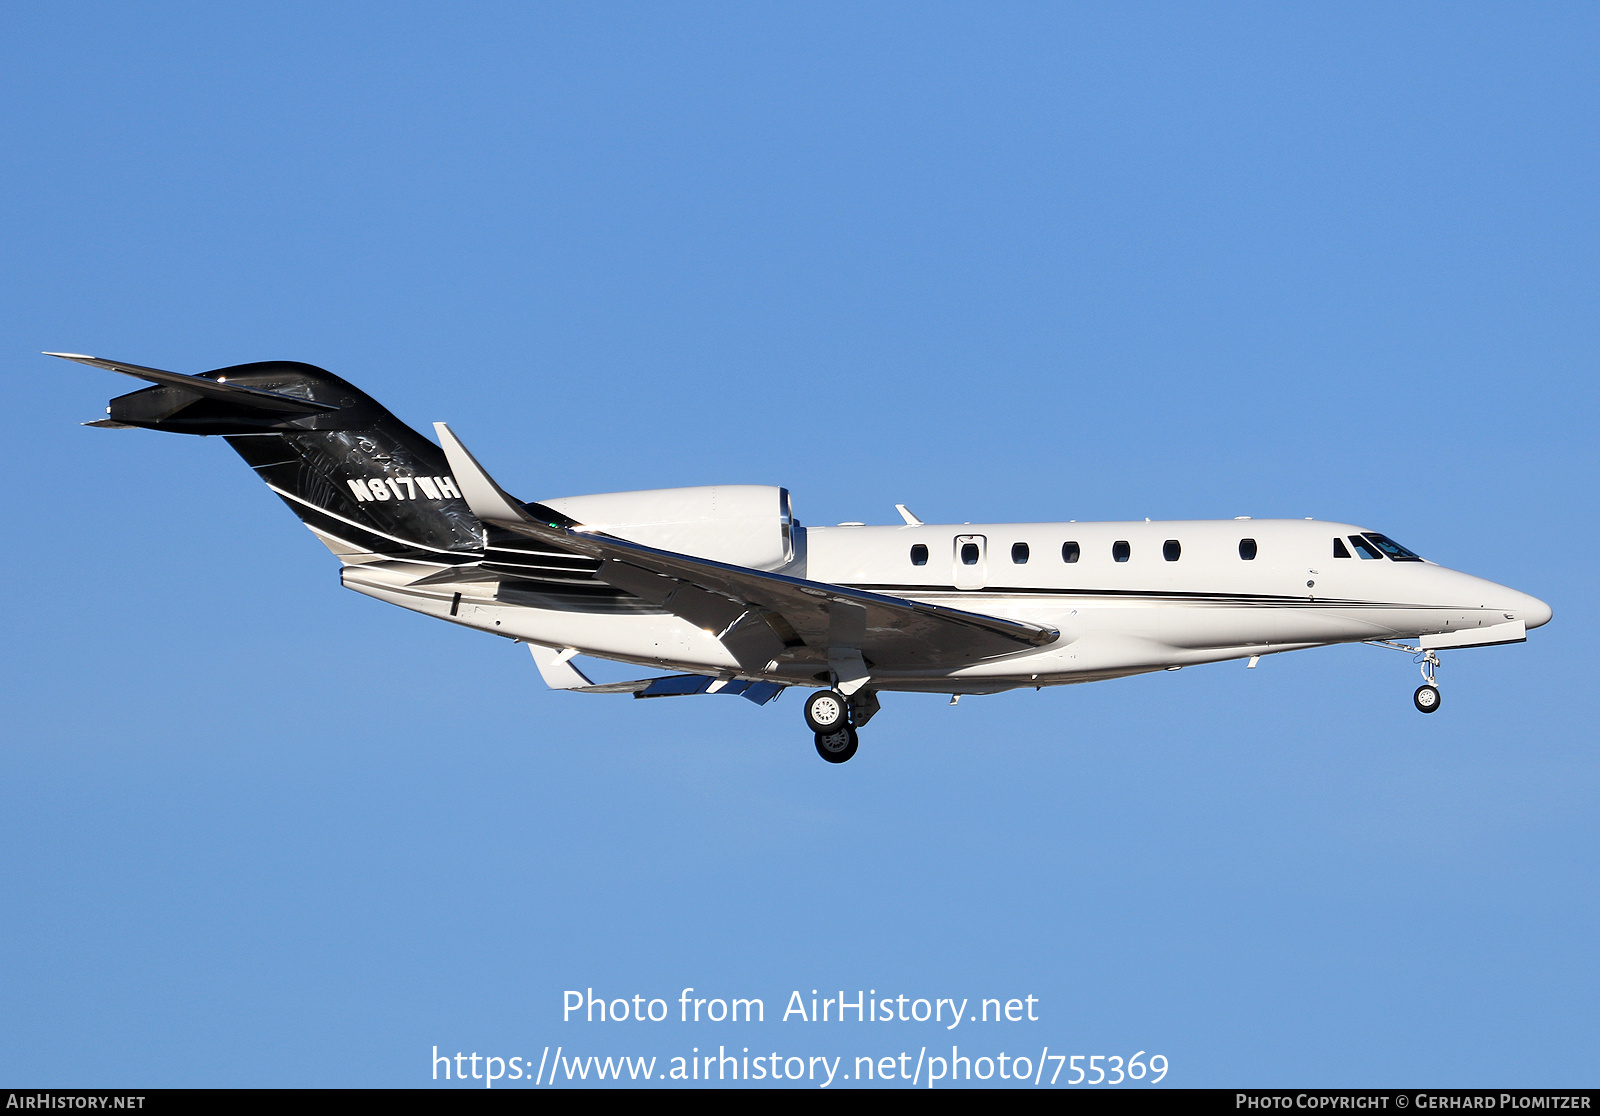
838 745
827 711
1426 699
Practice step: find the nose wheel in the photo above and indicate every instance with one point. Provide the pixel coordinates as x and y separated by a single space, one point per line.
1426 698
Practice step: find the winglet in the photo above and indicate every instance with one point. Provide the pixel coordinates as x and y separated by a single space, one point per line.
911 520
555 666
487 499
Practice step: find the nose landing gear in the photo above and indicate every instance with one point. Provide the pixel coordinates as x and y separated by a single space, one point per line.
1426 698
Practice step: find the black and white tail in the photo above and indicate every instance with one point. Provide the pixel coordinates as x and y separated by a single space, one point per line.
364 482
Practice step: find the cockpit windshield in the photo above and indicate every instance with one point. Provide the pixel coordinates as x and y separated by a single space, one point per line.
1393 549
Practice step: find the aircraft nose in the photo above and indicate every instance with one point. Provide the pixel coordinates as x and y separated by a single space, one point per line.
1534 612
1514 604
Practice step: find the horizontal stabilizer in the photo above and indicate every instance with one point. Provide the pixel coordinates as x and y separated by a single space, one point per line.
200 385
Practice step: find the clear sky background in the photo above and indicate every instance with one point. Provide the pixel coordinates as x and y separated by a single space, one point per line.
997 262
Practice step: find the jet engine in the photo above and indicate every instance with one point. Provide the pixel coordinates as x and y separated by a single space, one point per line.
741 524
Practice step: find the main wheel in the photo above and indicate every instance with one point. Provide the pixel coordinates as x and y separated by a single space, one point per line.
827 710
1427 699
837 745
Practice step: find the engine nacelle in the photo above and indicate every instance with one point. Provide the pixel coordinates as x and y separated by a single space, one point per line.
741 524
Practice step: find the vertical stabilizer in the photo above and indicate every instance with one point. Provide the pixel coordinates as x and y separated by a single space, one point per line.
364 482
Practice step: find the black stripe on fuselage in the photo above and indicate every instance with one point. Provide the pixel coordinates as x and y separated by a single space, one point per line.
1240 599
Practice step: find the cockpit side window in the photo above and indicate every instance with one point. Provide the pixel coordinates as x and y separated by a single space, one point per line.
1393 549
1339 549
1365 549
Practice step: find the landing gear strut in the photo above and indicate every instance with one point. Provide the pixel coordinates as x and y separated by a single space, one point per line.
1426 698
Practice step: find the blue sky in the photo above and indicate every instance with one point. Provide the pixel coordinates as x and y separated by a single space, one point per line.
997 262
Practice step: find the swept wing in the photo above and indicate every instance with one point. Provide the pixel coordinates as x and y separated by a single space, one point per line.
762 618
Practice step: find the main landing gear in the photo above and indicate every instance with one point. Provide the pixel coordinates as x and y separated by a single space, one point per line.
827 710
834 719
838 745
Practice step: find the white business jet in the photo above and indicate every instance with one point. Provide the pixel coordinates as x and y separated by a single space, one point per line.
723 587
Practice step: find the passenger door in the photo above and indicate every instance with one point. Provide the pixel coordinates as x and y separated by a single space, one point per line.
971 558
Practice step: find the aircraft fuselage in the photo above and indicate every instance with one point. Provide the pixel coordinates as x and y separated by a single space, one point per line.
1161 606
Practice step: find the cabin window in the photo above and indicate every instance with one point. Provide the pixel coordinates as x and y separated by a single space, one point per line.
1171 550
1339 549
1120 550
1069 552
1019 553
1365 549
969 554
919 555
1247 549
1393 549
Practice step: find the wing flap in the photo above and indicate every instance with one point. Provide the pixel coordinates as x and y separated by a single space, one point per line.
560 674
